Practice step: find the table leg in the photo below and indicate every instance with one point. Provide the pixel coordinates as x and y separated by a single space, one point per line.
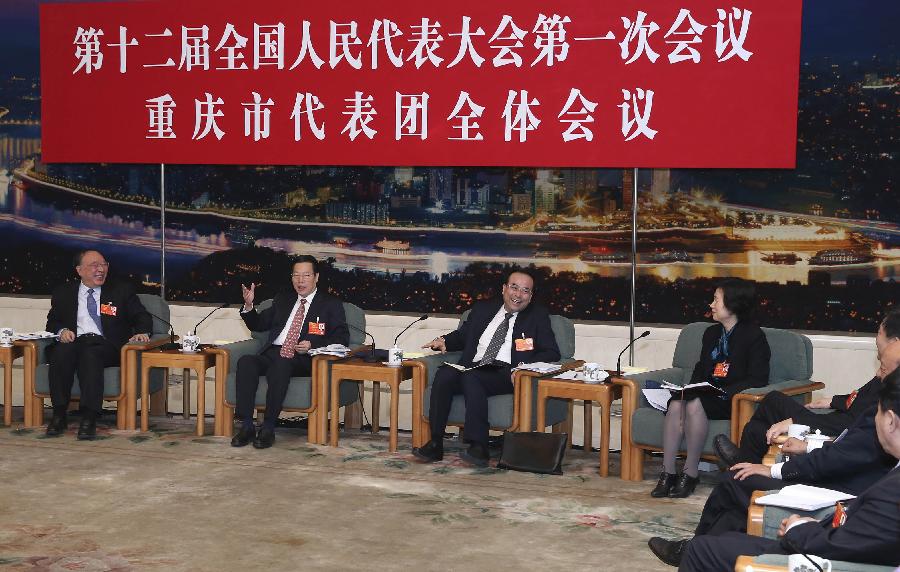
145 397
588 425
335 407
7 393
186 393
376 406
201 400
541 409
525 390
604 435
219 405
395 406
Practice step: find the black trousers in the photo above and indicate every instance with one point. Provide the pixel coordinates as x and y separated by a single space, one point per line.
475 386
278 371
776 407
719 553
87 356
726 508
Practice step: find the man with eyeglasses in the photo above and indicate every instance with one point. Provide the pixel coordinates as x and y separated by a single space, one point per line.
497 334
93 320
298 320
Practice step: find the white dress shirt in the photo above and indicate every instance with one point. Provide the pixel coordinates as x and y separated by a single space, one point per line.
85 324
505 353
279 341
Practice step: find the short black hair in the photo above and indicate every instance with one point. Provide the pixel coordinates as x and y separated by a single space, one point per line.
306 258
526 273
891 324
79 256
889 394
739 296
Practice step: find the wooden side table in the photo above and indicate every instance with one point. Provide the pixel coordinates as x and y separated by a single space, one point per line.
199 362
603 393
7 357
359 371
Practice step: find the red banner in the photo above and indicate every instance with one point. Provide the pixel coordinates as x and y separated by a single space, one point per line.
574 83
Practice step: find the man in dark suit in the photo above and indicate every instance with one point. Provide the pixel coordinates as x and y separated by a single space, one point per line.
870 534
778 411
852 463
299 319
497 335
93 320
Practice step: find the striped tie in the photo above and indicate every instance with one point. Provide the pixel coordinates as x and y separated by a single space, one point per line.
288 349
490 354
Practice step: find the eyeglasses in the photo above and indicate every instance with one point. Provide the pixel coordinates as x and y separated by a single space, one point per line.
96 265
516 288
302 275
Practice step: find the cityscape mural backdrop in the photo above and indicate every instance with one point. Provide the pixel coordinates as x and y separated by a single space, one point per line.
821 240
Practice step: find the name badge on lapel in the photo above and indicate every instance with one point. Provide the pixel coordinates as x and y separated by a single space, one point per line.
840 515
317 328
721 369
108 309
524 344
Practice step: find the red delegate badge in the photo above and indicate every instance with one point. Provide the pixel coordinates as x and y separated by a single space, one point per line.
108 309
840 515
721 369
317 328
524 344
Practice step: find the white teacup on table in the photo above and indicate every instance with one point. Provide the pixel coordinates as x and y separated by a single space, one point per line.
801 563
816 440
190 343
593 373
6 337
395 357
798 431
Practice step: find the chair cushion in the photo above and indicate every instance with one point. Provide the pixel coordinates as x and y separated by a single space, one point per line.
156 305
792 356
564 332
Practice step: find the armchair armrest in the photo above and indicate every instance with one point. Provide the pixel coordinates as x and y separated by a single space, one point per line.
765 520
40 349
743 404
237 350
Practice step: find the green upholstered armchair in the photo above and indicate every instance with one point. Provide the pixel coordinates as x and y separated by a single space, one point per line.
303 395
504 411
120 383
790 368
766 520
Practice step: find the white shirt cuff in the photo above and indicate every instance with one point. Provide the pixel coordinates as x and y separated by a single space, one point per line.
776 470
243 311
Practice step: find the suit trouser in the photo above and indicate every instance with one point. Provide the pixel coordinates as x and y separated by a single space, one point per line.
726 508
776 407
719 553
87 356
475 386
278 371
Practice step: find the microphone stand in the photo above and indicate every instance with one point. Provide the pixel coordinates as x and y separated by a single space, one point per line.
216 309
619 359
172 345
403 331
369 357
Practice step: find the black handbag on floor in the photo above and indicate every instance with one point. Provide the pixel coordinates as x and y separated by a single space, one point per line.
534 452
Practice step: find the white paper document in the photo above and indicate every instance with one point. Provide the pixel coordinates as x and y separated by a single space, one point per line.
702 385
658 398
804 497
575 374
339 350
458 367
34 336
539 367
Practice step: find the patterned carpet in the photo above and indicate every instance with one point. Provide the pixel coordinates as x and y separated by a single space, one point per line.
168 500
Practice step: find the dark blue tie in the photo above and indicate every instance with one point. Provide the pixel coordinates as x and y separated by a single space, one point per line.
92 309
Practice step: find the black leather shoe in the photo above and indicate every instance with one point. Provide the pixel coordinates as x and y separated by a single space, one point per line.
669 551
57 426
244 437
664 485
264 439
87 429
728 452
477 454
684 487
431 452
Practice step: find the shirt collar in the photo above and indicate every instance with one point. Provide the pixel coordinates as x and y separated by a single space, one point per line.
82 289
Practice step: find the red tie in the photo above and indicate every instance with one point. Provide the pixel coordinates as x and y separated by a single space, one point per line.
293 335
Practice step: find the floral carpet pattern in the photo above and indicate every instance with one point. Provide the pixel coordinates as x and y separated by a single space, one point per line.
578 520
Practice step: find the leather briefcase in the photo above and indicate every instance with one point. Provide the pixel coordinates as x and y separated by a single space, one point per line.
534 452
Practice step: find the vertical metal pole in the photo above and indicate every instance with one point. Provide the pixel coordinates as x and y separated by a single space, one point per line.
634 210
162 230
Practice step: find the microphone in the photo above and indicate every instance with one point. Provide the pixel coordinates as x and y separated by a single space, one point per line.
619 359
216 309
375 355
172 345
417 320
